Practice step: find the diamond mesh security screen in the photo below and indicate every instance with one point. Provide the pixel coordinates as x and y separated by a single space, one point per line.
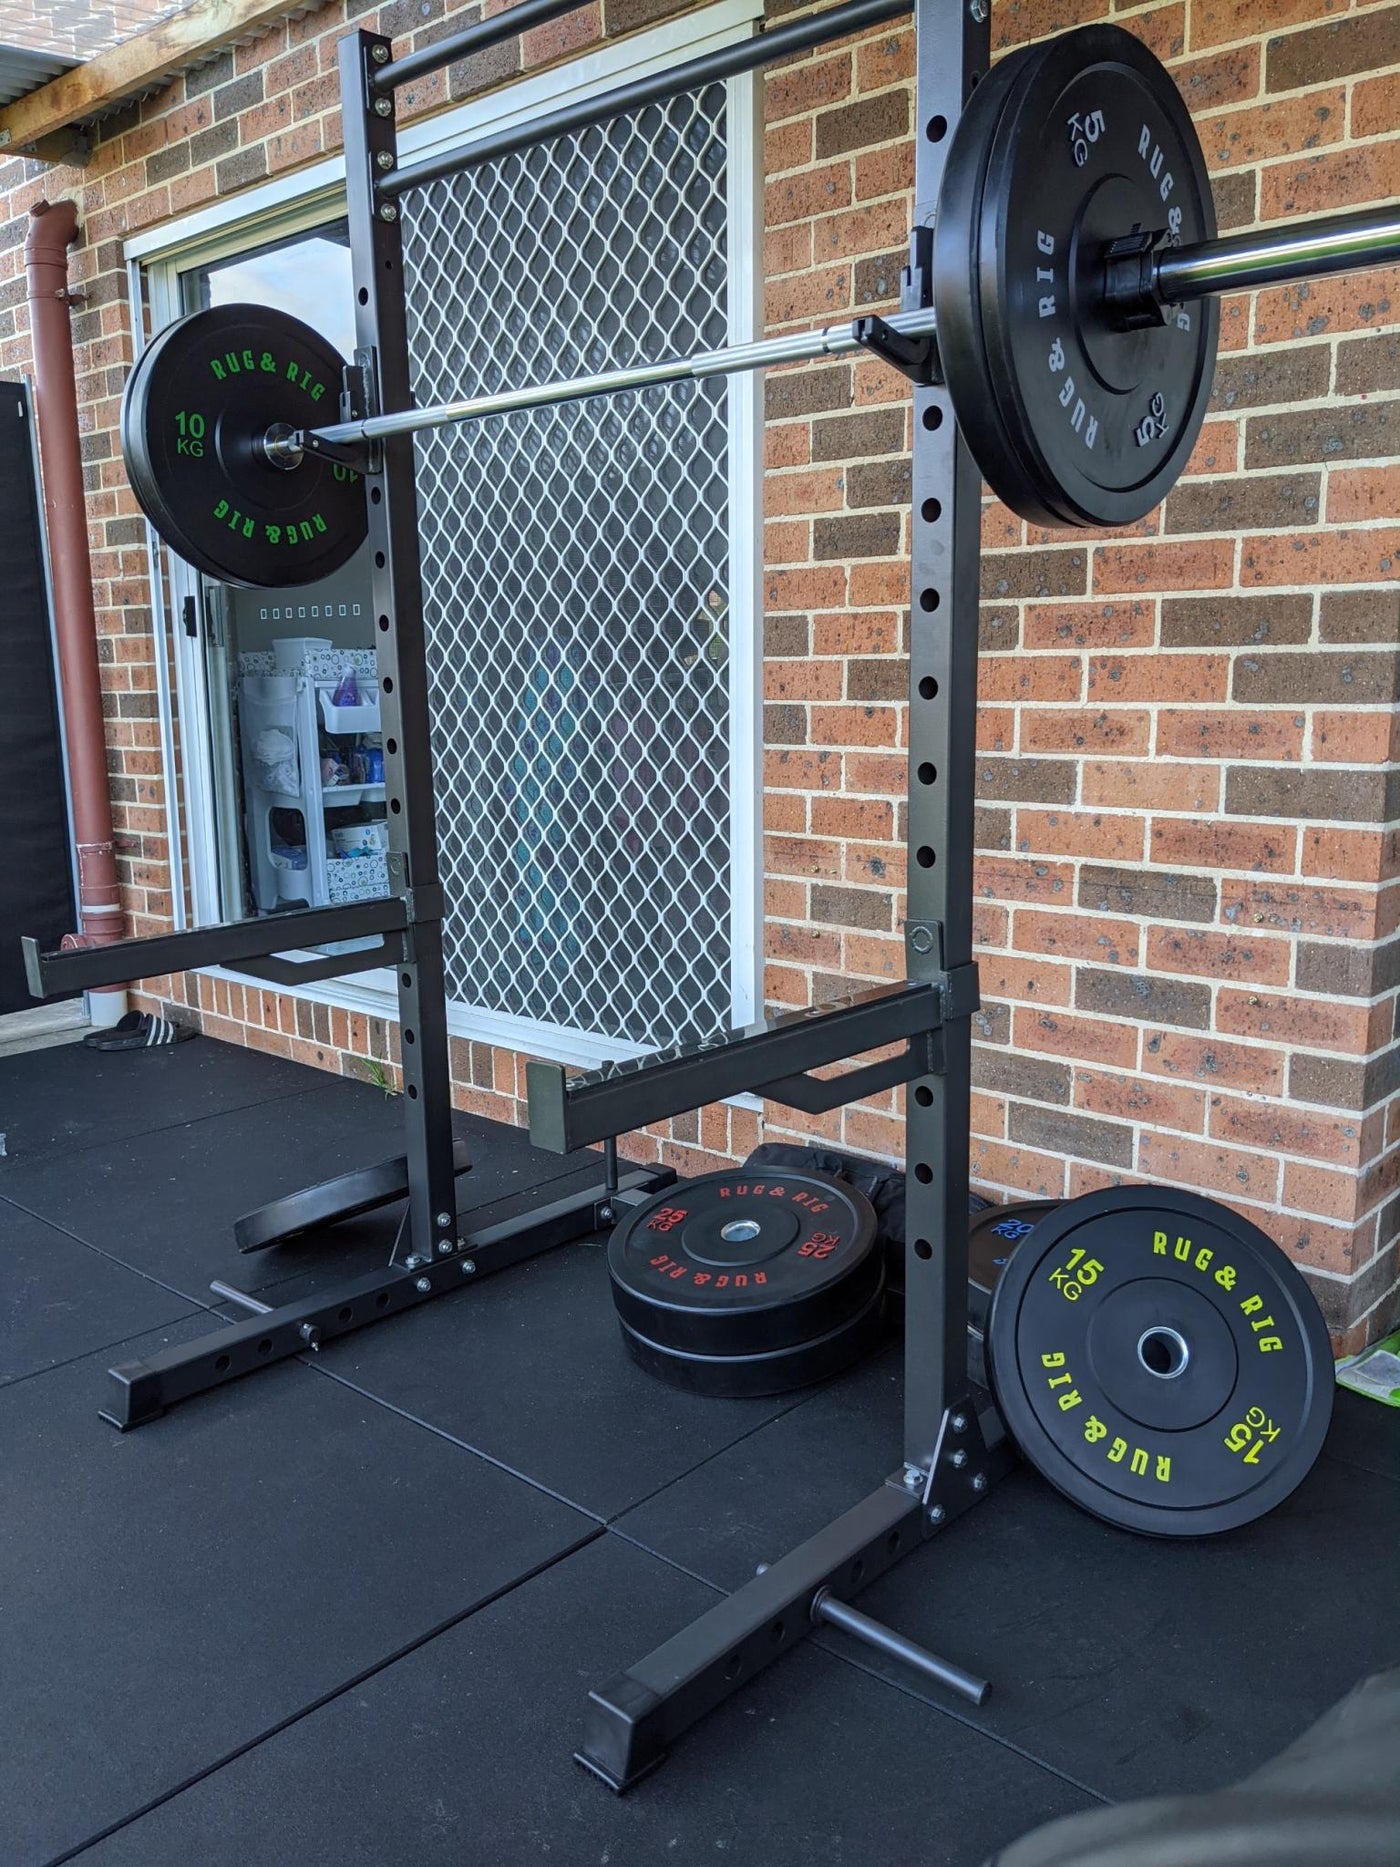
575 563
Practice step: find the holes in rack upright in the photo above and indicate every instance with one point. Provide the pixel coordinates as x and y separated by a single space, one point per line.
923 1095
923 1173
384 623
933 417
928 688
927 772
408 1037
925 856
936 129
922 1248
929 600
376 496
363 294
380 560
931 511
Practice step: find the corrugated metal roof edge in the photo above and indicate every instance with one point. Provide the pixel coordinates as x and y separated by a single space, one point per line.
135 88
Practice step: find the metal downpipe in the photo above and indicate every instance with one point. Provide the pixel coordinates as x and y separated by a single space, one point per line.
52 230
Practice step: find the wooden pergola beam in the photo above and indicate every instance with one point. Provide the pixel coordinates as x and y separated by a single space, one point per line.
140 64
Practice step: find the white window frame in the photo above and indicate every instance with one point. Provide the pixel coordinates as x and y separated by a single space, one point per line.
297 202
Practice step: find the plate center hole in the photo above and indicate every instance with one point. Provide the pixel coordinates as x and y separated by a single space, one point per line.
1163 1352
739 1231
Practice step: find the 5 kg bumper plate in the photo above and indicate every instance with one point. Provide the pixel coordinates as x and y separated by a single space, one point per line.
1065 148
1160 1361
198 406
749 1284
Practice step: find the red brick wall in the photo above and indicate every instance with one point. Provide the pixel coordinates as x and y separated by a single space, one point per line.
1189 828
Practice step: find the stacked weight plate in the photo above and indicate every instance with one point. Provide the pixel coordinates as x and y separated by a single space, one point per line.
738 1283
1154 1355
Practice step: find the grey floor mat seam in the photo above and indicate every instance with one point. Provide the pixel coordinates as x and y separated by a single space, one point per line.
841 1653
188 1121
462 1445
77 1238
323 1699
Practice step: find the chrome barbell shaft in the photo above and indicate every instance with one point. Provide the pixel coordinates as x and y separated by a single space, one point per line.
1311 249
1339 243
799 347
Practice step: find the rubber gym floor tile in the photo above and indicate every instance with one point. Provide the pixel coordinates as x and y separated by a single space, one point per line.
530 1369
1365 1434
172 1594
53 1101
460 1755
165 1202
59 1299
1133 1664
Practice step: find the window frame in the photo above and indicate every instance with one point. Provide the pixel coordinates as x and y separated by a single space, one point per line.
298 202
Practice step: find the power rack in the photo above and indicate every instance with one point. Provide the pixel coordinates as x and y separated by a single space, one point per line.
955 1446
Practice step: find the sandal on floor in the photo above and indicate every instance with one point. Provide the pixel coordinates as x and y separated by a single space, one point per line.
138 1030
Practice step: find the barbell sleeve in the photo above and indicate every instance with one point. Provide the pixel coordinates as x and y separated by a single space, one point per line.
1311 249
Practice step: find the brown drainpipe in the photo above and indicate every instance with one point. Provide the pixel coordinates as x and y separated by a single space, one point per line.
52 230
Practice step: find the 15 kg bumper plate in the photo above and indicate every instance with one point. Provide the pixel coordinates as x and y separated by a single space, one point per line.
199 404
1063 148
1160 1361
749 1284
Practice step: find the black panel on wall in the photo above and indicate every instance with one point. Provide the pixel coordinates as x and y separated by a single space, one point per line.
36 878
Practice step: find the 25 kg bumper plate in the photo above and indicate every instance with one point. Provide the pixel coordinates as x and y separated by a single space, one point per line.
1160 1361
992 1236
738 1283
198 406
1063 148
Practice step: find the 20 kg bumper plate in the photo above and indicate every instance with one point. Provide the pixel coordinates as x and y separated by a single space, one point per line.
1160 1361
198 407
740 1283
1063 148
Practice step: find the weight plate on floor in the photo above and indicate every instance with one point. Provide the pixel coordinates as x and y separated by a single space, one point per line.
737 1264
739 1377
330 1201
197 408
1063 147
1160 1361
992 1235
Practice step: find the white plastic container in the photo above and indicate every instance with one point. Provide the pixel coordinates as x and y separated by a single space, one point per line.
289 651
361 719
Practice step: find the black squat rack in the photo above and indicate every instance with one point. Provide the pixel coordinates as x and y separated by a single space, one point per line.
955 1446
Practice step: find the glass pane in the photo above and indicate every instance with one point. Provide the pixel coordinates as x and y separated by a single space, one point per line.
294 705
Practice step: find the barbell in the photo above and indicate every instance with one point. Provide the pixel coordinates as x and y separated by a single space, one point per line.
1075 271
